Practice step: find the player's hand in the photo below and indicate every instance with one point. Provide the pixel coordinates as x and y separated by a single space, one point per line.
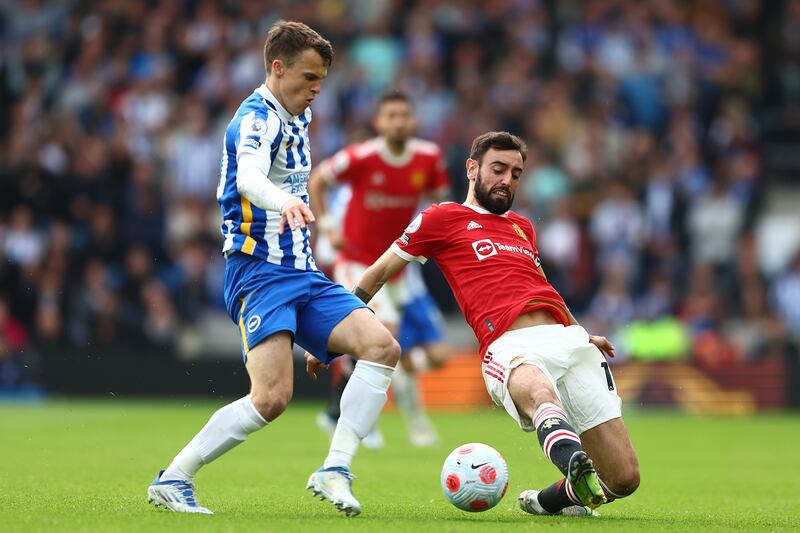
603 343
296 213
313 365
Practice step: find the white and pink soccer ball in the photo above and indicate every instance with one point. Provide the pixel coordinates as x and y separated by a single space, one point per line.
474 477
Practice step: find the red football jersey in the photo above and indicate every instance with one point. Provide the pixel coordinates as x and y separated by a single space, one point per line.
386 191
490 262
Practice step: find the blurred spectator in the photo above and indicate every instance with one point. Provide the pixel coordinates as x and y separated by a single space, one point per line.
23 243
750 333
193 154
612 306
559 242
617 227
545 184
714 221
160 324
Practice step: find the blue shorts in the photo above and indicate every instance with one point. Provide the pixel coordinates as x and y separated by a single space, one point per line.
263 299
422 323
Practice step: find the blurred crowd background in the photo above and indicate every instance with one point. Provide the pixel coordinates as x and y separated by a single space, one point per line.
662 139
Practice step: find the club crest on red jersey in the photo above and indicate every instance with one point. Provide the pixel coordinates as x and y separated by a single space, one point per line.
417 179
520 232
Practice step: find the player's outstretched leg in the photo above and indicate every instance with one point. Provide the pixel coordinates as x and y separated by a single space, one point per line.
563 447
533 394
362 401
269 365
173 488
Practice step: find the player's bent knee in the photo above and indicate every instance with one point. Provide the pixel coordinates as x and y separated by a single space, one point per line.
624 482
630 482
540 396
390 352
385 350
270 404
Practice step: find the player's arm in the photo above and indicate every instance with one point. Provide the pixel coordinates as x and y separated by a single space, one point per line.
319 181
386 267
598 340
254 160
252 183
318 192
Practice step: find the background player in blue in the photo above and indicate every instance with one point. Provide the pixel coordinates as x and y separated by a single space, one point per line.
273 290
422 326
421 336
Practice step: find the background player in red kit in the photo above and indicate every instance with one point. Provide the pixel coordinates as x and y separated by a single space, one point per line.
538 363
388 176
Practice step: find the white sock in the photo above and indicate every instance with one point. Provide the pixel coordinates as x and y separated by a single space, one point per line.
406 396
362 401
419 358
226 428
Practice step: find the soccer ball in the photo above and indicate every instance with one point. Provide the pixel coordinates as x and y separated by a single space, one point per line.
474 477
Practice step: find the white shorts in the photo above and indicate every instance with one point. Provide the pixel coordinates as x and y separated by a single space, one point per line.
387 304
576 368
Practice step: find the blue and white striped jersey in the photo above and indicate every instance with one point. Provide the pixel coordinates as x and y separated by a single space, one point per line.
261 126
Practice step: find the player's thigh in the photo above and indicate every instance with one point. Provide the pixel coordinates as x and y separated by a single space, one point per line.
262 298
529 386
521 369
271 371
328 305
610 447
362 335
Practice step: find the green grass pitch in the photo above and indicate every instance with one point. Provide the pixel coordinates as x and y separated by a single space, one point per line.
85 466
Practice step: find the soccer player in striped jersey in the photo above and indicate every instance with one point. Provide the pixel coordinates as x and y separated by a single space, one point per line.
537 361
273 290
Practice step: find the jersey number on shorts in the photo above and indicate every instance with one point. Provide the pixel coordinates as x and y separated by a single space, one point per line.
609 379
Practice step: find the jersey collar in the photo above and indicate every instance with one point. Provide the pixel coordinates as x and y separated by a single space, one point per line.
479 209
268 96
391 159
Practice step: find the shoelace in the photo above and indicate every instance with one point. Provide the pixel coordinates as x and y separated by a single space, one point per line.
185 487
180 484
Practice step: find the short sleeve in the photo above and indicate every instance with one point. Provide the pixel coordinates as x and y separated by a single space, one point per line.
340 167
259 135
422 237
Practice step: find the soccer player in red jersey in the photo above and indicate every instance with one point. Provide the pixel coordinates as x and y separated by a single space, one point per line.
388 176
538 363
